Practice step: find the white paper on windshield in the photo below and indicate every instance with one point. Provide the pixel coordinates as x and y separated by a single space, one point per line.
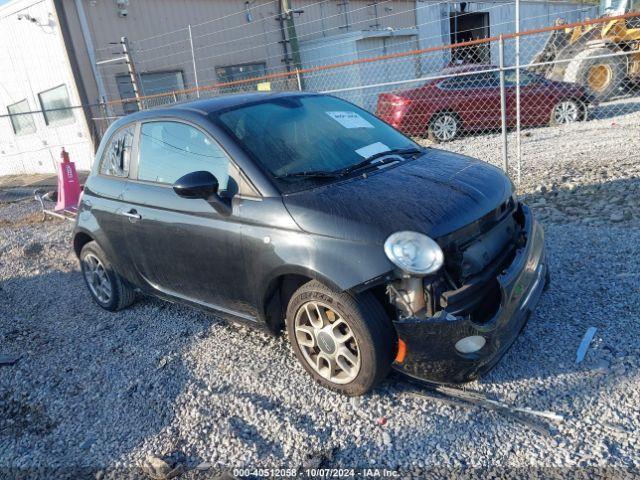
349 119
372 149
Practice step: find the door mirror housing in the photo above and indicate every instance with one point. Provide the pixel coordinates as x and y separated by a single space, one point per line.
204 185
196 185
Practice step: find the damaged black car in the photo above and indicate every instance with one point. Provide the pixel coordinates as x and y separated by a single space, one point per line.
302 212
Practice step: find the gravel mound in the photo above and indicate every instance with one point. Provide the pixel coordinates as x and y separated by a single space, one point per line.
164 388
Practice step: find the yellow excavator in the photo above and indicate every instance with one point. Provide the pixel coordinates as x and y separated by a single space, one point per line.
603 57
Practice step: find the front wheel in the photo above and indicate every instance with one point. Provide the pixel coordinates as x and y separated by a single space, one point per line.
566 111
345 342
444 127
107 288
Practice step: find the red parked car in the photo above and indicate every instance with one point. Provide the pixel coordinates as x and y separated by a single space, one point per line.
470 101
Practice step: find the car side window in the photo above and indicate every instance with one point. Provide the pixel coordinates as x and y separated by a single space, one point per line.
466 82
453 83
525 78
484 80
169 150
116 157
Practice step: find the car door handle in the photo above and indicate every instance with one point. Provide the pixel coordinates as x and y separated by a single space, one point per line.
132 214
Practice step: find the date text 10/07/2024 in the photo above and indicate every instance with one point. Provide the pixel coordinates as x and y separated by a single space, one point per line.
317 472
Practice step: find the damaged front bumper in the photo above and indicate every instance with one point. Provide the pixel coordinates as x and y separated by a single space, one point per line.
429 351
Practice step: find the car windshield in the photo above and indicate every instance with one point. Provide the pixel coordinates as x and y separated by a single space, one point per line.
302 139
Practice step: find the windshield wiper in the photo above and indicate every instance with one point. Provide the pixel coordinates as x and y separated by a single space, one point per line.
367 162
310 174
371 159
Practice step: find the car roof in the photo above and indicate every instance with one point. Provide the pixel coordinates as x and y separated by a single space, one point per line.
215 104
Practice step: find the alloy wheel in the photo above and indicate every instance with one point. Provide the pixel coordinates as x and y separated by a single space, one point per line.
566 112
445 127
97 278
327 342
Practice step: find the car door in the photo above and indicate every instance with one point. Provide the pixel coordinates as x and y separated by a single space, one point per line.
102 200
477 100
183 247
536 99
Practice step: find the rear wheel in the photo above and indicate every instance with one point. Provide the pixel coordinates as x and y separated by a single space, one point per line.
566 111
444 127
107 288
345 342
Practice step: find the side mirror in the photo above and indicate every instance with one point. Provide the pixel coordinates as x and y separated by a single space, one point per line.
203 185
196 185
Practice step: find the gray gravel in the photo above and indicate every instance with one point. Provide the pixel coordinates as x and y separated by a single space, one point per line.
105 391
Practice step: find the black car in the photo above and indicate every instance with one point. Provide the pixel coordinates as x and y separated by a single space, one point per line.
304 211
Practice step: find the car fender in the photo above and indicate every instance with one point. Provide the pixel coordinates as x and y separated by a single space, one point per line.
340 264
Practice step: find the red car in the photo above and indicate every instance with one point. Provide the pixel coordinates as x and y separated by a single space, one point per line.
470 101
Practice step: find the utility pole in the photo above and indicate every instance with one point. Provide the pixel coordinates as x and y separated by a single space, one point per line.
291 38
132 70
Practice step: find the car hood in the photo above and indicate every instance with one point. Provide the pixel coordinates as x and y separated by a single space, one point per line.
436 194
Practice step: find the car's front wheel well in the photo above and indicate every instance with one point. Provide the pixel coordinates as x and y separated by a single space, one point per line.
277 298
80 240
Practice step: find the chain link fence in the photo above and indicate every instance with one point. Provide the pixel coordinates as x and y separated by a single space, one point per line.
488 91
482 96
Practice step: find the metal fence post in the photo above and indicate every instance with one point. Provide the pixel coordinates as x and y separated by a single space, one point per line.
518 124
299 79
503 107
193 59
132 70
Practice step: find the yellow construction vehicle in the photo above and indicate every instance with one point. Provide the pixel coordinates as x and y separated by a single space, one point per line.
603 57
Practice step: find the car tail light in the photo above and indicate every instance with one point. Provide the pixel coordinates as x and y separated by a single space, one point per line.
398 101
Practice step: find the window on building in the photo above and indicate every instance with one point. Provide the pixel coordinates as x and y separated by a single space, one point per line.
169 150
116 157
21 121
55 103
152 83
233 73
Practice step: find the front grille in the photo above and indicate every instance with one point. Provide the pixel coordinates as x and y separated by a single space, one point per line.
474 258
483 244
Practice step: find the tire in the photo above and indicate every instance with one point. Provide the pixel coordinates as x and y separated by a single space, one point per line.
567 111
121 295
373 341
601 77
444 127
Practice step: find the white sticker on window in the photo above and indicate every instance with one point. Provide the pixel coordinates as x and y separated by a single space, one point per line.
349 119
372 149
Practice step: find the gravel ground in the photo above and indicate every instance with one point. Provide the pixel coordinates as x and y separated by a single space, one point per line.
104 391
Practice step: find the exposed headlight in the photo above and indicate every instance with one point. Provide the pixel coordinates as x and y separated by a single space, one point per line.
414 253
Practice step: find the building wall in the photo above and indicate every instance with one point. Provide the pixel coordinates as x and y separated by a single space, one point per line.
224 33
33 60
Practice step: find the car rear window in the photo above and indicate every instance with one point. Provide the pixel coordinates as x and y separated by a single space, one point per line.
117 154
